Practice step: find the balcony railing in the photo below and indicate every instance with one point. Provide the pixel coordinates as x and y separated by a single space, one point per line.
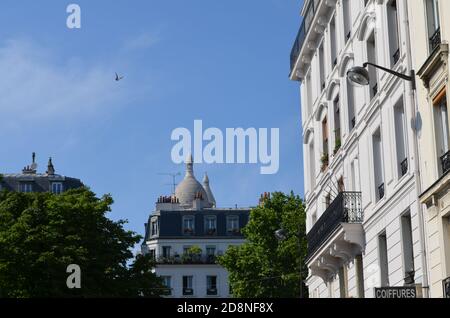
446 286
346 208
188 291
445 161
435 39
303 31
396 56
191 259
404 167
211 291
381 191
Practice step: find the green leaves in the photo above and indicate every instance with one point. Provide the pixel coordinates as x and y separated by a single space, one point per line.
42 233
264 266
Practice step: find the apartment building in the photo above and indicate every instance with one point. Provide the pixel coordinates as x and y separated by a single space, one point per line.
364 218
430 32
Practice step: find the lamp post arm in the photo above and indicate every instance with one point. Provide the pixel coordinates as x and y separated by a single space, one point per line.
411 78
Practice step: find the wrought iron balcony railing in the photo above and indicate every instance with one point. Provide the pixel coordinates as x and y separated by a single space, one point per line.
404 167
381 191
435 39
303 31
191 259
445 161
346 208
446 286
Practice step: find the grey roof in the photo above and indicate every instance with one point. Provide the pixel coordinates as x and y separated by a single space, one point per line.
40 182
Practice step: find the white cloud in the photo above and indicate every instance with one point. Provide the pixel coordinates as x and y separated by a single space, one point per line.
36 85
141 41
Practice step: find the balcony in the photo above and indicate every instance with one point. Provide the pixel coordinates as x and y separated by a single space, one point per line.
404 167
445 162
435 39
446 286
346 208
337 237
303 31
187 259
211 291
188 291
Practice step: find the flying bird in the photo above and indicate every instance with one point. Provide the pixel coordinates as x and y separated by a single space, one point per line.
118 78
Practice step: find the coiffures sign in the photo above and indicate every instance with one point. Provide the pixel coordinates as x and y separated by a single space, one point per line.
396 292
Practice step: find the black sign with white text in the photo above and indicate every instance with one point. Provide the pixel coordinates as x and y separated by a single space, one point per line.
396 292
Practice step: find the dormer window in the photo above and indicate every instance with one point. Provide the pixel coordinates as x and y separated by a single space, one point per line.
26 187
233 225
154 227
210 225
188 225
57 188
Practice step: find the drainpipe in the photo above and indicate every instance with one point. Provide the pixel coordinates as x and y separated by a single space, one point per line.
420 210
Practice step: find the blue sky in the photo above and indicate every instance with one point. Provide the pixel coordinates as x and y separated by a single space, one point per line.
225 62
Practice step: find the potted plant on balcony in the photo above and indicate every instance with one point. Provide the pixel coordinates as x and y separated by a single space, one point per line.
211 232
192 255
188 231
324 161
337 146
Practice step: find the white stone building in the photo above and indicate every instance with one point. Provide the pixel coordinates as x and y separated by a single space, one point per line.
364 218
186 233
430 48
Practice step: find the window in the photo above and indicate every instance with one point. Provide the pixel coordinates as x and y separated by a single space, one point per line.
351 106
434 29
337 125
442 131
372 58
154 227
57 187
26 187
383 259
233 224
210 225
210 250
408 252
309 97
167 282
152 254
312 167
400 138
187 286
378 165
325 153
343 282
211 285
333 44
347 20
394 39
188 225
321 68
359 268
166 251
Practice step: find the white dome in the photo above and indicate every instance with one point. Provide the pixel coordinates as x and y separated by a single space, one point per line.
189 188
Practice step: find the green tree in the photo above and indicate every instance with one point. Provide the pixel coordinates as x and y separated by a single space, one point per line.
42 233
265 266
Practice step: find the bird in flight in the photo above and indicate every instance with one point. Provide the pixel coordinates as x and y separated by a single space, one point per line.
118 78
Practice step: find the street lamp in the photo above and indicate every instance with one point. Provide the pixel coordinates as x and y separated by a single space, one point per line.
360 76
282 235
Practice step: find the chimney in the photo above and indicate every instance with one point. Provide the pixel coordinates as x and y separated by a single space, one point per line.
50 167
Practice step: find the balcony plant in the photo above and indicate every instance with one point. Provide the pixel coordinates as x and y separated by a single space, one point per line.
188 231
211 232
324 161
337 146
192 255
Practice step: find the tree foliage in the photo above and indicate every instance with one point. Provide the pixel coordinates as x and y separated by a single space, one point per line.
265 266
42 233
